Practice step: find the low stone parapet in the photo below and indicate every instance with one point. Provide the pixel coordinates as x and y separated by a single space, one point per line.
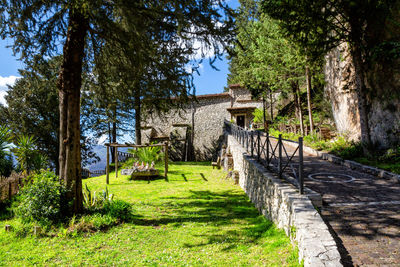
281 203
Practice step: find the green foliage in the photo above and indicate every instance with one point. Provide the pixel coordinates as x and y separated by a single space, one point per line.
28 156
93 201
41 200
148 154
6 164
259 116
32 109
32 106
339 146
346 149
266 59
392 154
119 209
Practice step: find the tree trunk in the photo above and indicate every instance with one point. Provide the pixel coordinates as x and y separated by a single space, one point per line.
69 84
114 132
297 103
271 105
308 81
110 140
264 118
137 107
362 99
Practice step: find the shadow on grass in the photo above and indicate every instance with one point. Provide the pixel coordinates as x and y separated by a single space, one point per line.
204 206
192 163
218 209
202 176
184 177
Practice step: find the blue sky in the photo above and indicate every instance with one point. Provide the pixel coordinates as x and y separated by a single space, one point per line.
210 81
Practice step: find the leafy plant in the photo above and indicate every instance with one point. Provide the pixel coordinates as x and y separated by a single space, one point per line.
28 156
41 200
148 154
93 201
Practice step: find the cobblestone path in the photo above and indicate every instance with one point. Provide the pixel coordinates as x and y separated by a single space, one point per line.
362 211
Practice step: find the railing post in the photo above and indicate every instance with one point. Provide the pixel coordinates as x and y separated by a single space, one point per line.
107 166
116 162
280 156
301 177
247 141
268 158
252 143
258 145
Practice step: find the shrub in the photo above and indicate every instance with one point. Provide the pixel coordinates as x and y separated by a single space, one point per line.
41 200
104 203
119 209
93 201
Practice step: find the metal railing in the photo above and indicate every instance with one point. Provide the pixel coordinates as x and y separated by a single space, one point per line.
123 156
271 152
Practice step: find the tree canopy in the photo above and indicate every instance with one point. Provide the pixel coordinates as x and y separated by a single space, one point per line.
84 27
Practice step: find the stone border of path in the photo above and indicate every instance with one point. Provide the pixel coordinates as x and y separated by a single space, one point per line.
280 202
349 163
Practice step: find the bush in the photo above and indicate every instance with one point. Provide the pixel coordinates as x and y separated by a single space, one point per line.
93 201
41 200
118 209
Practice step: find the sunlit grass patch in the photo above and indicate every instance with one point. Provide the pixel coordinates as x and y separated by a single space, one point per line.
195 218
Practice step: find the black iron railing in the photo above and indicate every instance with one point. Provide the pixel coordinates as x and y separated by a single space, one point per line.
124 156
272 152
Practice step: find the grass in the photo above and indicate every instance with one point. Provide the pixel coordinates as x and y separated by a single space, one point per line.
196 218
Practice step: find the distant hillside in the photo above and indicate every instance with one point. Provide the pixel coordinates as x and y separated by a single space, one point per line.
101 151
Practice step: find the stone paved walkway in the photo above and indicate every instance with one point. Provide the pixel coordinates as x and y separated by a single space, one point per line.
363 211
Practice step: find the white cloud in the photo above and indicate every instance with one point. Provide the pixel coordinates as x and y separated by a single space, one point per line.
4 81
10 80
102 139
2 95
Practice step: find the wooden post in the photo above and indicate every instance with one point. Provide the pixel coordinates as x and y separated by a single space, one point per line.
9 190
116 162
107 166
166 159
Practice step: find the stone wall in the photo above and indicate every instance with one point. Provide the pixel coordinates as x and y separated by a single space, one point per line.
205 117
281 203
208 116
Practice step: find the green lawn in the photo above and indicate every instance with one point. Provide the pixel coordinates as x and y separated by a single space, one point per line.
196 218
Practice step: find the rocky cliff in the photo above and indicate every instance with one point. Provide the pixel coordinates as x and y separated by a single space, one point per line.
383 97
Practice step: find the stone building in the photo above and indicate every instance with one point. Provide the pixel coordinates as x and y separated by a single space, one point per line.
195 132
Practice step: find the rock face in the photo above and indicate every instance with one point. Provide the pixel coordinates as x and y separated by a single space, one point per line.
340 89
383 96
